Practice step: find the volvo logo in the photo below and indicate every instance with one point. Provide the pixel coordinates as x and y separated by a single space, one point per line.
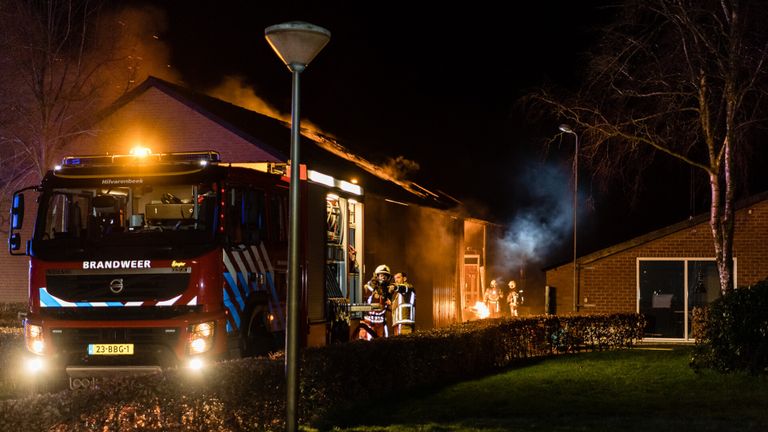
116 286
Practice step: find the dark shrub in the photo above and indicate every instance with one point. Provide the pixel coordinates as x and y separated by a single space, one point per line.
9 314
732 333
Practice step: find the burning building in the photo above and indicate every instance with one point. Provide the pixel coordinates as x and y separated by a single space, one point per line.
371 217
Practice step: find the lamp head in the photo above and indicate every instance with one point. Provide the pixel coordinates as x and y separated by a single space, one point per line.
566 128
296 42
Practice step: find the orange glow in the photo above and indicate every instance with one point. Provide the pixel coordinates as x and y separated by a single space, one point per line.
331 145
482 310
141 151
235 91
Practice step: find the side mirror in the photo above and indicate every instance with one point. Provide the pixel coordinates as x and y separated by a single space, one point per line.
17 211
17 220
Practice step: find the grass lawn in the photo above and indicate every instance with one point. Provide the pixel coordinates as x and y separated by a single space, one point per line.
649 389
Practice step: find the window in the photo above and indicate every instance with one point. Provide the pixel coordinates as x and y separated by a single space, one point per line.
662 298
669 289
247 207
278 217
66 215
114 214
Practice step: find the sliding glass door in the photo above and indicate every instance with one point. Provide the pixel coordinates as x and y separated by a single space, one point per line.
669 289
703 286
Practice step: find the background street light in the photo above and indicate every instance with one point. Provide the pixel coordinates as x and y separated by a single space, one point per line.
567 129
296 43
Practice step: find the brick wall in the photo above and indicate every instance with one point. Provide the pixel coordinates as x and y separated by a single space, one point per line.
562 279
609 283
13 287
164 124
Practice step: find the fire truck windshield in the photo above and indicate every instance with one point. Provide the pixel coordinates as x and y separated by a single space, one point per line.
125 213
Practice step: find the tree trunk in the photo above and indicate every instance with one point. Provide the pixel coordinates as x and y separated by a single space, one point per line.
721 222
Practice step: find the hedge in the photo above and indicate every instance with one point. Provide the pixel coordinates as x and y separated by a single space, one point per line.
731 333
248 394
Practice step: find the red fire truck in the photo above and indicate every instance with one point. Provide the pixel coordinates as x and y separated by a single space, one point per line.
144 261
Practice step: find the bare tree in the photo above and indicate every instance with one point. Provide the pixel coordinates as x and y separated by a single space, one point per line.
61 62
682 78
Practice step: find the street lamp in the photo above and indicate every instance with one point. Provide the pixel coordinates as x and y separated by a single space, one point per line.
567 129
296 43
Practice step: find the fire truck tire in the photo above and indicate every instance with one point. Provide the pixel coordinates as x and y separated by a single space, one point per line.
257 339
338 332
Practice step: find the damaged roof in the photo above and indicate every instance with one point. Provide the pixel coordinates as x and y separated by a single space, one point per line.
319 152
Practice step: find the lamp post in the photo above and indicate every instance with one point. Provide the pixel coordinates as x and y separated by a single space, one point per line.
567 129
296 43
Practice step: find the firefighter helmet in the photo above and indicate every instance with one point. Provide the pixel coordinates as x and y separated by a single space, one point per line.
382 269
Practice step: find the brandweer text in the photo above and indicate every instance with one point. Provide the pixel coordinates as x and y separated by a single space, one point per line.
125 264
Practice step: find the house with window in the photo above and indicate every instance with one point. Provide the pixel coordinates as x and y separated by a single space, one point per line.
663 274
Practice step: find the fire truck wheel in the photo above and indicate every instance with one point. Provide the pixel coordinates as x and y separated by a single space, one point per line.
339 332
258 340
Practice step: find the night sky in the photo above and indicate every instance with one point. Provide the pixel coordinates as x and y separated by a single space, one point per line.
439 86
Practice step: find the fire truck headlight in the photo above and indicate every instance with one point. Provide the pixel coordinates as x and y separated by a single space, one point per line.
33 365
201 337
195 364
33 336
198 345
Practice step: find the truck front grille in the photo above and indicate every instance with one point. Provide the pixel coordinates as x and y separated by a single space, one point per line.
152 346
118 313
149 286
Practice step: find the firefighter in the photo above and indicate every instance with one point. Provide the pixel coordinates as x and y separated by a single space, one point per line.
492 299
514 298
376 293
403 305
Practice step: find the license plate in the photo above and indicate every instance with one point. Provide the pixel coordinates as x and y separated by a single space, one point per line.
110 349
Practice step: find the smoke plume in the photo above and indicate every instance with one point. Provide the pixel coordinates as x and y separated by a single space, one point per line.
544 225
400 167
133 36
234 90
